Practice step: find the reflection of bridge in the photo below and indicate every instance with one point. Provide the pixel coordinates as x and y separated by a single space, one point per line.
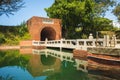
58 54
63 56
78 43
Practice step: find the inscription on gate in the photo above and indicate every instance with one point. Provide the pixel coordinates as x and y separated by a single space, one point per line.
47 21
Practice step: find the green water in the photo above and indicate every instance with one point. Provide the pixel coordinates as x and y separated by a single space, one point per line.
41 65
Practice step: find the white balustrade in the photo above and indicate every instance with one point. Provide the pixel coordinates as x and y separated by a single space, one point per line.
76 43
117 43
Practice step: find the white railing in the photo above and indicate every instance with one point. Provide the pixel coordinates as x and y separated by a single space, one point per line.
71 44
77 43
117 43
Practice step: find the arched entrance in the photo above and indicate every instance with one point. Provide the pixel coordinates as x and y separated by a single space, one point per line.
48 33
41 28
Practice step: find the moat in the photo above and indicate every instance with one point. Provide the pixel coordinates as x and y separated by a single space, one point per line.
48 64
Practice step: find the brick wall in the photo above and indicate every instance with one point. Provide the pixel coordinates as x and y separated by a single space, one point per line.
80 54
27 43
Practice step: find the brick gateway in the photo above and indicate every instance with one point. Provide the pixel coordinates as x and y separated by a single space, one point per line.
41 28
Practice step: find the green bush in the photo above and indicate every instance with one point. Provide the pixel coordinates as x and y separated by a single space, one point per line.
84 36
2 38
12 35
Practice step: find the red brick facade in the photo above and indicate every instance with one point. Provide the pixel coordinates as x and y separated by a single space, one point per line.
41 28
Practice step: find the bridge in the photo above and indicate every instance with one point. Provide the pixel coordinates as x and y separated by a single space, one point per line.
47 32
81 44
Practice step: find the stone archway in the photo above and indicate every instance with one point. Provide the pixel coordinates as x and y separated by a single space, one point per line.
48 33
41 28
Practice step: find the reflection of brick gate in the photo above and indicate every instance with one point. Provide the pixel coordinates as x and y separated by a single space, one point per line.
41 28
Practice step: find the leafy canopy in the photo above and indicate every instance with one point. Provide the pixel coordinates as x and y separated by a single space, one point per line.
79 14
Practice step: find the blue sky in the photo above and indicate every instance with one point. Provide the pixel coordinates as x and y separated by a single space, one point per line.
34 8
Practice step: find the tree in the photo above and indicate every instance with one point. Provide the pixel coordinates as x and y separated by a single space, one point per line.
116 11
72 12
78 14
10 6
103 24
2 38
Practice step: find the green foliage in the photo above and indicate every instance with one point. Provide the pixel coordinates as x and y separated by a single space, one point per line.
72 13
48 61
13 58
68 72
12 35
22 29
2 38
84 36
102 24
82 14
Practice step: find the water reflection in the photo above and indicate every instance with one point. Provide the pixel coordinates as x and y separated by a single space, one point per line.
68 72
38 67
12 58
63 56
67 65
45 64
17 73
49 60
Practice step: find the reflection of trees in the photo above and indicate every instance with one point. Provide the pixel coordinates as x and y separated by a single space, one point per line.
12 58
49 60
68 72
8 77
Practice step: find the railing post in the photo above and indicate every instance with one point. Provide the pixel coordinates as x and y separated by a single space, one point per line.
46 40
77 44
85 43
93 43
61 44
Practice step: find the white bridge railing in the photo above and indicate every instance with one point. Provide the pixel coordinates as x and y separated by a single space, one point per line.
78 43
71 44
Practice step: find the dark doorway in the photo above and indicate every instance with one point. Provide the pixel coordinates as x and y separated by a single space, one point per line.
48 33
